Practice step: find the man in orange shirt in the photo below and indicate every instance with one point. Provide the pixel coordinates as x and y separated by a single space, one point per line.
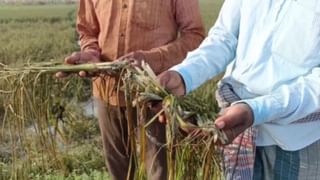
160 32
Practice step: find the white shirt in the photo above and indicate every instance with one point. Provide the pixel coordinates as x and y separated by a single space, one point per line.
271 49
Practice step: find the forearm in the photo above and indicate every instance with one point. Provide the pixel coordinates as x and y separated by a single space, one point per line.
290 102
186 15
164 57
89 43
210 59
88 27
216 51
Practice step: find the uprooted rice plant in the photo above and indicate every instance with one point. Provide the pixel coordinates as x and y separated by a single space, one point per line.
30 99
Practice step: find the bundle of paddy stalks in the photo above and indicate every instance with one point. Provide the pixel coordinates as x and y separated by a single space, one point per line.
193 156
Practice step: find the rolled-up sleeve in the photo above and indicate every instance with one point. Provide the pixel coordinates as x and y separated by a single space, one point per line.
88 27
289 102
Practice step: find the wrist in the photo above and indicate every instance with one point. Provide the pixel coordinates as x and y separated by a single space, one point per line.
247 110
93 52
153 58
182 82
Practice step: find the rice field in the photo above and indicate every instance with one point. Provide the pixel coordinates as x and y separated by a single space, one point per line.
24 12
39 33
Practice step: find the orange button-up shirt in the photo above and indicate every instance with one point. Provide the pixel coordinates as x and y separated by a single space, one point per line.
164 30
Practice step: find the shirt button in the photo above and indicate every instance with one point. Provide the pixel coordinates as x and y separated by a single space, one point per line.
125 6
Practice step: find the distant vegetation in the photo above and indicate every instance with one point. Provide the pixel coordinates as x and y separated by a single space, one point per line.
39 2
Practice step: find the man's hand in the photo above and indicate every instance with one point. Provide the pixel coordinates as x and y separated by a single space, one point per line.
173 82
79 58
234 120
135 58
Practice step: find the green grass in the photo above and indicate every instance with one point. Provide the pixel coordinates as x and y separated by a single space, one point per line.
36 33
41 42
210 11
35 11
44 32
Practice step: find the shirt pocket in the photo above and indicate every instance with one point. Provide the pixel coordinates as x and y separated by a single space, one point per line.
297 38
146 13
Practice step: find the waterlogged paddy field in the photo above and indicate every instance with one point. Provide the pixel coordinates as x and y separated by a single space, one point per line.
36 33
42 33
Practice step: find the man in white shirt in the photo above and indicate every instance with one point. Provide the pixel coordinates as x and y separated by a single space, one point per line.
270 50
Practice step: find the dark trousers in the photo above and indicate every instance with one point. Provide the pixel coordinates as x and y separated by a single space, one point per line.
114 131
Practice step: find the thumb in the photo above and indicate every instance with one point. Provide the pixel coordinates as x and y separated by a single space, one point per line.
163 78
173 82
73 58
220 124
226 121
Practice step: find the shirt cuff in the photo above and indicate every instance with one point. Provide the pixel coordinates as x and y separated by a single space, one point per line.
185 76
264 108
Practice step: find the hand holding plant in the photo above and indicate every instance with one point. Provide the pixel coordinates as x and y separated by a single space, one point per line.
80 58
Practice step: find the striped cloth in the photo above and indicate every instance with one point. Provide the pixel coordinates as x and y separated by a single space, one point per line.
273 163
240 155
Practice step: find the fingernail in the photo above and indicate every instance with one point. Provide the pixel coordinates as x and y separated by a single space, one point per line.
220 124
